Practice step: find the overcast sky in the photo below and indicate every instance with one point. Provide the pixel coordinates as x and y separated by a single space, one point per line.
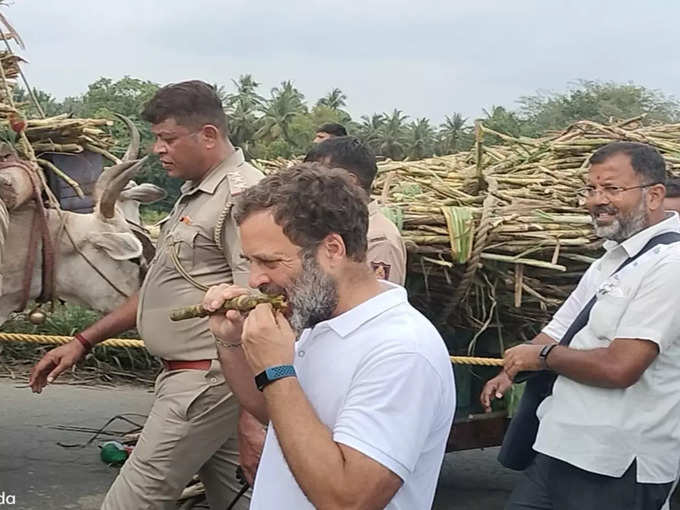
428 58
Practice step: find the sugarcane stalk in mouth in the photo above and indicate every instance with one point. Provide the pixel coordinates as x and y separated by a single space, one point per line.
242 303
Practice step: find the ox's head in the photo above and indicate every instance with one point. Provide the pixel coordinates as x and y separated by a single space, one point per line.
111 247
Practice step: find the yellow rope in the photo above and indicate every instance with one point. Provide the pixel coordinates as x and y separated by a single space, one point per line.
47 339
130 342
471 360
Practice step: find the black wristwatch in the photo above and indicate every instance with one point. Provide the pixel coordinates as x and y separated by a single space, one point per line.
543 355
271 374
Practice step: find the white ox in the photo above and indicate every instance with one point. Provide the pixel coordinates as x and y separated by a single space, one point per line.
99 256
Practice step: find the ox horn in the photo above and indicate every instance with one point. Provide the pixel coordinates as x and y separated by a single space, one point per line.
133 149
113 180
118 177
130 155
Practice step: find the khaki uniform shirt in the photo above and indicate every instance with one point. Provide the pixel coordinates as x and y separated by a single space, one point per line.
386 251
189 233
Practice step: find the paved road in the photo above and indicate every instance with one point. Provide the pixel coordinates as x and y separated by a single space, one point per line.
42 475
38 472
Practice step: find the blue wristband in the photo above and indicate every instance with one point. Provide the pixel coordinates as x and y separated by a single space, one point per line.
271 374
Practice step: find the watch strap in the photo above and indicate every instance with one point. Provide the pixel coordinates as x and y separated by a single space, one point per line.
272 374
543 355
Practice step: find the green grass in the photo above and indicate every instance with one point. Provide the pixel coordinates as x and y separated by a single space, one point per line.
66 320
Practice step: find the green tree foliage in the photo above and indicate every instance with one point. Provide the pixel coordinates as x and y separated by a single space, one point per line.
595 101
283 124
334 100
454 135
49 105
370 129
504 121
420 139
284 104
392 135
243 109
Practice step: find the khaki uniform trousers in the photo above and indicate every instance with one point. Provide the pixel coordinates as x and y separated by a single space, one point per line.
191 429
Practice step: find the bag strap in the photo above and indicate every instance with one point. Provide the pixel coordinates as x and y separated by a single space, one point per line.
582 318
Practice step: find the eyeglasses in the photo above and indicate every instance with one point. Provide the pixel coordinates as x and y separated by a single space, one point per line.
610 191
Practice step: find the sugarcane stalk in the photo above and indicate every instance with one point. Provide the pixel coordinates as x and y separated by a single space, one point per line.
57 147
103 152
528 262
243 303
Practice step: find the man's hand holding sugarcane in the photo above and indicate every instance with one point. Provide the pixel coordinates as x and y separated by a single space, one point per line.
228 328
265 335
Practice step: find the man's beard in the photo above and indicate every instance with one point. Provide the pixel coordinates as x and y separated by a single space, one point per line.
312 296
624 225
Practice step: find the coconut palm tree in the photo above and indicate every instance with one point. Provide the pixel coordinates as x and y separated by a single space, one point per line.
335 99
285 103
369 130
420 139
242 108
451 133
246 96
392 135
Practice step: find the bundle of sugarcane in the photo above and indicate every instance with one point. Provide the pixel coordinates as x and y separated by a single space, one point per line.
510 252
524 253
63 133
499 234
268 166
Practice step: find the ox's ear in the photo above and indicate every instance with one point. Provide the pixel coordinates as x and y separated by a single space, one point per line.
117 245
145 193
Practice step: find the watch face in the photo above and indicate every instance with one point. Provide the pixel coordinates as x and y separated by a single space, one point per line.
261 380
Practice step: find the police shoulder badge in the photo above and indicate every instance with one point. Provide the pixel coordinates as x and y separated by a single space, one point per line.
381 270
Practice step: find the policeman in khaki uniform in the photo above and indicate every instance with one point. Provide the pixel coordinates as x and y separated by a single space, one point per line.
192 426
386 251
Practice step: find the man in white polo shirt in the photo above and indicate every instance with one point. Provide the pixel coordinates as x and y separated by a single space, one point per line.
360 406
609 435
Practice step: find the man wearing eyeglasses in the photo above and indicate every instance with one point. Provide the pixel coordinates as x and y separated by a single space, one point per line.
609 435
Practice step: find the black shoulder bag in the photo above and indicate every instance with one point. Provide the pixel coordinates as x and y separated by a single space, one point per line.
517 450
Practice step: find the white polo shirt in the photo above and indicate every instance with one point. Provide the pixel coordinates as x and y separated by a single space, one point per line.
379 377
603 430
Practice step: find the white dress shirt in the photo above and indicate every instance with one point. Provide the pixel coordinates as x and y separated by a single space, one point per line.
603 430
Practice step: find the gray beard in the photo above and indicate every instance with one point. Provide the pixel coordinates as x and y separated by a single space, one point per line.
624 227
313 296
